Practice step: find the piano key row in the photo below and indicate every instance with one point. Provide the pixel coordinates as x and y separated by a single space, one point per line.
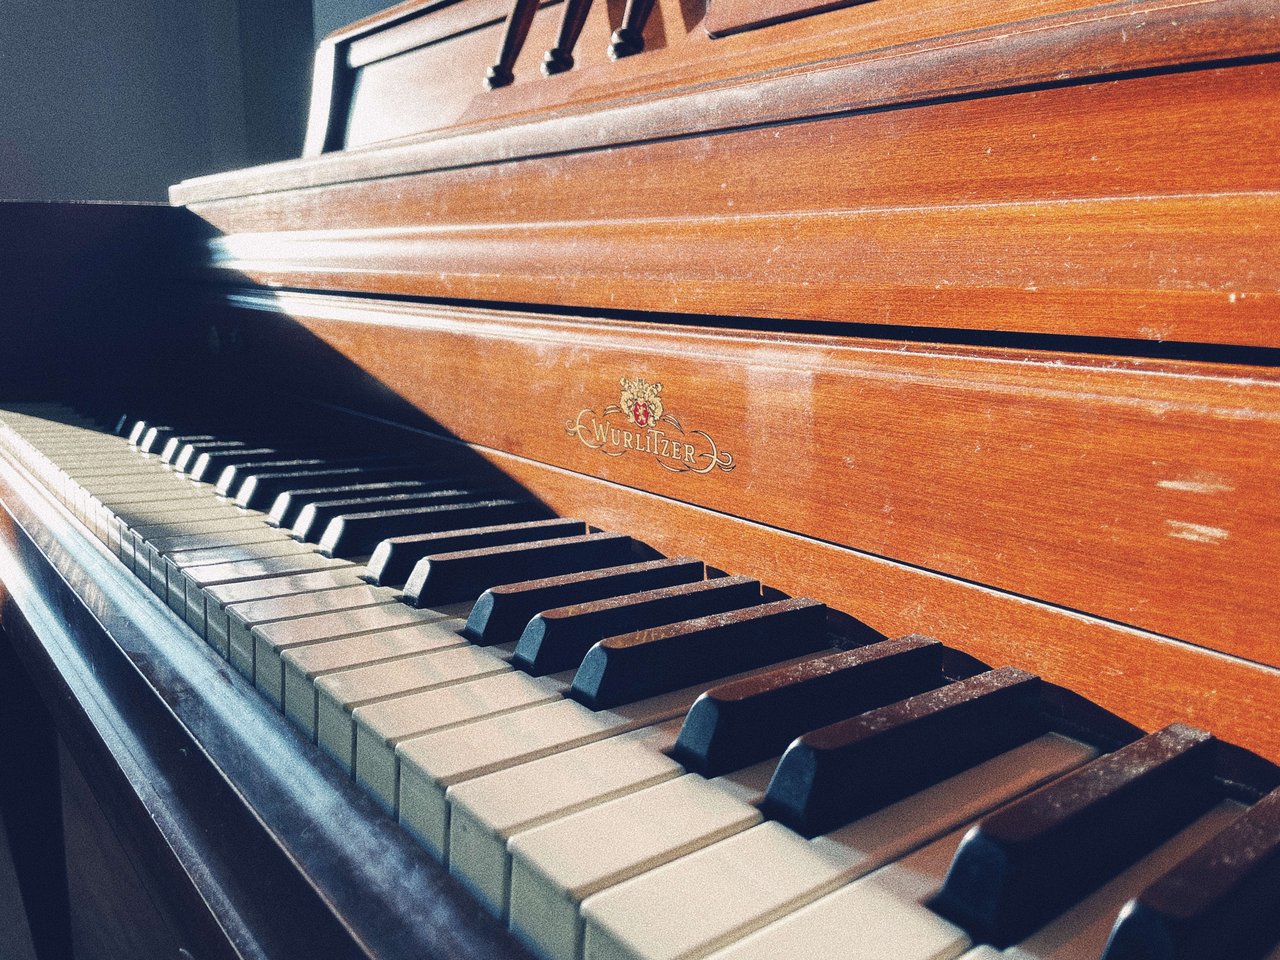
553 774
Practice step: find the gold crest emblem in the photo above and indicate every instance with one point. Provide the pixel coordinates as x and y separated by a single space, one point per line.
641 401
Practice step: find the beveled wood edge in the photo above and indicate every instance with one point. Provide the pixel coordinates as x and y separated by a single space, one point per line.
387 895
1062 49
827 271
1144 678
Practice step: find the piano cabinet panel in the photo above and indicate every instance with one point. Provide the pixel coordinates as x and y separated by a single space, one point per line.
1139 208
1137 491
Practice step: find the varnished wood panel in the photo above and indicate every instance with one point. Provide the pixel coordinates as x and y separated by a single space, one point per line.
1141 492
1149 680
898 55
1037 212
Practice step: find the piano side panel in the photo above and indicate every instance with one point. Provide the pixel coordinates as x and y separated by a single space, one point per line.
1142 208
1136 491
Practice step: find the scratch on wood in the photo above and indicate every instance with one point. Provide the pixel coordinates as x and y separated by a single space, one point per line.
1196 532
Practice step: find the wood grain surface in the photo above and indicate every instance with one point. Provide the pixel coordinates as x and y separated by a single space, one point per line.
1142 208
1136 491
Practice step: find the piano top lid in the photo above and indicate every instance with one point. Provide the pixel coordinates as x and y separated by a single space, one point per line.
404 91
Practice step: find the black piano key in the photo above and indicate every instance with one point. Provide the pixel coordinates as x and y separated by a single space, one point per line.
1221 903
188 452
258 487
465 574
315 516
630 667
737 724
393 559
173 446
286 507
1031 860
357 534
558 639
846 770
502 612
208 466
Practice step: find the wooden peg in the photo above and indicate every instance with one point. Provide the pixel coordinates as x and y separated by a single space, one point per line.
500 74
629 38
560 57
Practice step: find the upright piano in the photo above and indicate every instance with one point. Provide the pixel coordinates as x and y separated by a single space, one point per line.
667 478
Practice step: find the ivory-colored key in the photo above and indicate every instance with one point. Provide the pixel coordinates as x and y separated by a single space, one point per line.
884 915
381 727
711 898
555 867
217 599
430 764
243 617
151 566
302 665
486 812
270 641
188 599
337 694
176 563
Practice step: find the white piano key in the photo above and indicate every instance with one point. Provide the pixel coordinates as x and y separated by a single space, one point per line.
486 812
150 566
555 867
188 599
713 897
337 694
243 617
430 764
177 562
301 666
217 599
1081 932
381 727
879 917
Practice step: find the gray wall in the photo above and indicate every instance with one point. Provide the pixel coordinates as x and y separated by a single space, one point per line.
117 100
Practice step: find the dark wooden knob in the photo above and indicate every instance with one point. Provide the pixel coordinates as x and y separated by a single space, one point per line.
513 37
560 57
629 38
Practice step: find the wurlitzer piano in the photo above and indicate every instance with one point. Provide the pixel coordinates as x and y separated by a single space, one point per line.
668 480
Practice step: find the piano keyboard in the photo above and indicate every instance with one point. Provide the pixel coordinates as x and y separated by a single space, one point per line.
624 755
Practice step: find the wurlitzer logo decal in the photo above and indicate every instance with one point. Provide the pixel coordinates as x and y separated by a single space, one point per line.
639 423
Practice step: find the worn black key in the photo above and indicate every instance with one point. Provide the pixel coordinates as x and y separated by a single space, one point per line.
393 559
169 452
188 452
502 612
844 771
208 466
1221 903
314 517
1031 860
286 507
357 534
630 667
258 488
558 639
465 574
740 723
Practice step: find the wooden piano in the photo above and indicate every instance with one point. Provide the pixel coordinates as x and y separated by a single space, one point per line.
958 319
